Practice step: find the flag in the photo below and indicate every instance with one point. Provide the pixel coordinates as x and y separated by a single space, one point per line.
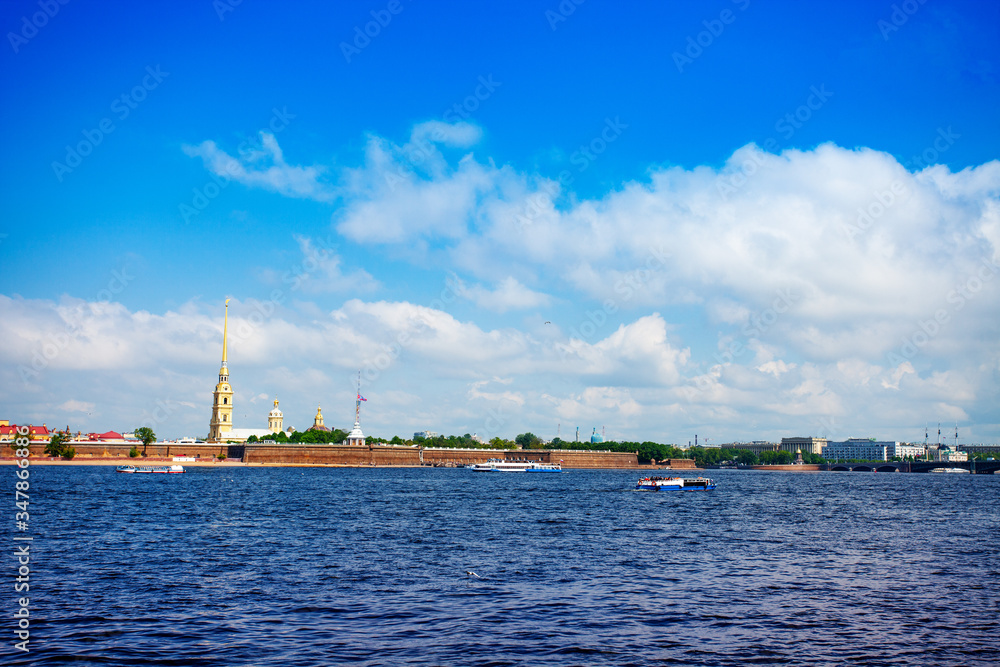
361 398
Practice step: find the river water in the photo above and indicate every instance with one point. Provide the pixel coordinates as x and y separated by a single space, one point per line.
323 566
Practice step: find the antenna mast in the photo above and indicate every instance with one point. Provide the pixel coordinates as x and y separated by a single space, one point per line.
357 402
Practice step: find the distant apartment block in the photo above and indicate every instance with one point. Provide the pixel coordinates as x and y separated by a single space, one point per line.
425 434
980 449
906 450
862 449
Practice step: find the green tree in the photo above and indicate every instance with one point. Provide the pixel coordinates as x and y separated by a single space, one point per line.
528 441
147 436
781 457
499 443
57 445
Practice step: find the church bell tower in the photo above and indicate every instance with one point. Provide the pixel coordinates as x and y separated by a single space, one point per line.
275 419
222 406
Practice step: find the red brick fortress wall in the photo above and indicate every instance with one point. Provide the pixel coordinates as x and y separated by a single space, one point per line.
575 458
341 455
344 455
114 450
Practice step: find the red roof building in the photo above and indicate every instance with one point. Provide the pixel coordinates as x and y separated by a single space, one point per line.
8 432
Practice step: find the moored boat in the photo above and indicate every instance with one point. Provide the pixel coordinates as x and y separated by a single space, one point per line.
675 484
151 469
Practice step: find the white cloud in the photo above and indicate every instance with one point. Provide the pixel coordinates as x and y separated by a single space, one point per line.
509 294
265 168
867 294
775 368
74 405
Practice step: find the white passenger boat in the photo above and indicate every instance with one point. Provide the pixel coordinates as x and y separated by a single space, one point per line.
675 484
150 469
499 465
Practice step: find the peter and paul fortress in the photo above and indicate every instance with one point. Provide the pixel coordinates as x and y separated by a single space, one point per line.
221 428
356 450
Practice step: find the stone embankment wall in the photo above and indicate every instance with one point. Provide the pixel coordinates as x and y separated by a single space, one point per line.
344 455
412 456
574 458
107 450
802 467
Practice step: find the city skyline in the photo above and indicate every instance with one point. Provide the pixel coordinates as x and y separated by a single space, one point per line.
730 219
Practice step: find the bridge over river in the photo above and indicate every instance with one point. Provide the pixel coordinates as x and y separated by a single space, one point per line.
975 467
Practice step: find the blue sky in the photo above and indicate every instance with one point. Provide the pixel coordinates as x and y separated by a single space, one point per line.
677 189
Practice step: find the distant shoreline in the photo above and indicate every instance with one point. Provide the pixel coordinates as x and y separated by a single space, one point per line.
208 463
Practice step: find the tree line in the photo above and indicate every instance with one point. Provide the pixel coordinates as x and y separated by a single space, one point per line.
310 437
646 451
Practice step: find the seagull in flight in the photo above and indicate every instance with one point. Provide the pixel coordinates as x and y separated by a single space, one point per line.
473 574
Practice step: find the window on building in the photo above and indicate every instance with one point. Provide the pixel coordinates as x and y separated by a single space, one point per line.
225 401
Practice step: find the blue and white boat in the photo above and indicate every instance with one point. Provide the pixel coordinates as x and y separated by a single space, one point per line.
500 465
675 484
153 470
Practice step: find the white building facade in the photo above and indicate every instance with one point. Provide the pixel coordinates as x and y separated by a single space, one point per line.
860 449
905 450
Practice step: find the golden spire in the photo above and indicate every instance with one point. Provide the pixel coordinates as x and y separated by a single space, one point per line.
225 334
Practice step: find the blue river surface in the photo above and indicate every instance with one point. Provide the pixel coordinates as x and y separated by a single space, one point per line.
397 566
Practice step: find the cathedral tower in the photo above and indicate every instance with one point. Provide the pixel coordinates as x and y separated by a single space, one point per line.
275 418
222 406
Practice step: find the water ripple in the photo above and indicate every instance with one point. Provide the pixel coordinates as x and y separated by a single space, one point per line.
274 566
